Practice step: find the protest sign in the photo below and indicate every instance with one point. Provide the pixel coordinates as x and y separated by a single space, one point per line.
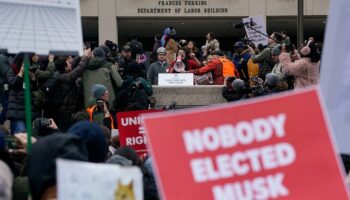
41 26
131 132
335 72
277 147
256 30
90 181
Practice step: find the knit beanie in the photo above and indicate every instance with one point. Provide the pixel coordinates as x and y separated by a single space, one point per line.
98 91
271 79
98 52
238 84
276 50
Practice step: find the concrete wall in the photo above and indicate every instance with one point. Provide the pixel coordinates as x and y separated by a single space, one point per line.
188 96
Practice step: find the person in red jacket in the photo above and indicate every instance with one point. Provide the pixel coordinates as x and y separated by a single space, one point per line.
214 66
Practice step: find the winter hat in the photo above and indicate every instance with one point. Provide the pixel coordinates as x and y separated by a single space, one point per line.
98 52
98 91
239 44
42 159
106 50
172 31
271 79
238 84
6 180
305 51
94 139
161 50
276 50
119 160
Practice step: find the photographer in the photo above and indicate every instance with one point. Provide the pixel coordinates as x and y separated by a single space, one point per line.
99 108
135 91
234 90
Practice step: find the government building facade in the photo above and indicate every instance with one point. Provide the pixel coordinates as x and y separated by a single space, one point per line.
117 20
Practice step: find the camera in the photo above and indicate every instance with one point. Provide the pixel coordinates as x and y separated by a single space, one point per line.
11 142
135 85
32 69
100 106
41 123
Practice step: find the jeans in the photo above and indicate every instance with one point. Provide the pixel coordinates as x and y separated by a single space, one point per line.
17 126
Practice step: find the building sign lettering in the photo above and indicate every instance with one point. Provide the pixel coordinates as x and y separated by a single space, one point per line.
181 7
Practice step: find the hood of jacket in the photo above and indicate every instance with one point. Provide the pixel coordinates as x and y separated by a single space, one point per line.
96 63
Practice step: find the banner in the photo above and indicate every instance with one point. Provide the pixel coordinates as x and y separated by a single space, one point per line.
268 148
41 26
335 72
175 79
131 133
256 30
91 181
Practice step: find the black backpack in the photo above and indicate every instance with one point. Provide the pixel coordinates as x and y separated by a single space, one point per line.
135 47
50 89
131 96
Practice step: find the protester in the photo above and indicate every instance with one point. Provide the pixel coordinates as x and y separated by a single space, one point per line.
134 93
100 71
264 57
99 108
215 67
4 91
171 46
156 46
192 48
240 58
211 44
304 70
64 101
42 162
184 61
94 139
160 66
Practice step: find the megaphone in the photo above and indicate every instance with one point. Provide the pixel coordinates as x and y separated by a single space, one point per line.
179 65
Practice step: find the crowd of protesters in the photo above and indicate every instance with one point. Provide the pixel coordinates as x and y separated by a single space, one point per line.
75 99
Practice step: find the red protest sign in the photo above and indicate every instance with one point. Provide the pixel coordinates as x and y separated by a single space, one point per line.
131 133
278 147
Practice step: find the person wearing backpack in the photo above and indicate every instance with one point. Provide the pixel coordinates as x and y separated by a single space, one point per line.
135 92
63 85
98 108
100 71
136 47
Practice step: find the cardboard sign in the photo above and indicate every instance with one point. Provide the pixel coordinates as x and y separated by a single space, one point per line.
175 79
131 133
271 148
41 26
254 27
90 181
335 73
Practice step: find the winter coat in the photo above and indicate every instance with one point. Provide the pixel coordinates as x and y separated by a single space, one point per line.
67 89
16 106
154 70
41 167
99 71
4 68
212 45
216 68
264 57
304 71
171 50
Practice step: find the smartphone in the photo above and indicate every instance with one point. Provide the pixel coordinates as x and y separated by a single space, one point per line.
11 142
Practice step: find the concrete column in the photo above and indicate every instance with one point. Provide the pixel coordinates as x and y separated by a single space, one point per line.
300 23
107 21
